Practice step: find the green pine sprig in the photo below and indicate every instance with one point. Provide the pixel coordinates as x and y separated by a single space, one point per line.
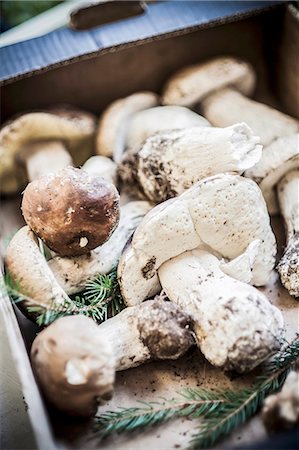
100 300
219 411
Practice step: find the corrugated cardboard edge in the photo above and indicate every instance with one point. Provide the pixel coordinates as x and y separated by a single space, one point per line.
226 20
36 409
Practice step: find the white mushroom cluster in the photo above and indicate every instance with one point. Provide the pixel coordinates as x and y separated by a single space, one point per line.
190 255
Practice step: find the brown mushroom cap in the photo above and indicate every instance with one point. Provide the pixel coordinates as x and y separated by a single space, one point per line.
72 211
75 128
74 365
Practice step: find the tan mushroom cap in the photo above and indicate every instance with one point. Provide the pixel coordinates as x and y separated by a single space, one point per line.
112 128
71 211
74 365
74 127
192 84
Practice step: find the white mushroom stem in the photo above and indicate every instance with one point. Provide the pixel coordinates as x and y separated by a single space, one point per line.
226 212
153 330
235 325
228 106
288 197
29 269
46 157
72 273
170 162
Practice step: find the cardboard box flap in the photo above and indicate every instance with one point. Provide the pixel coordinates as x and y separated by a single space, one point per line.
58 47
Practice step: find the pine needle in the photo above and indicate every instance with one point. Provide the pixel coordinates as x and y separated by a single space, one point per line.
219 411
100 300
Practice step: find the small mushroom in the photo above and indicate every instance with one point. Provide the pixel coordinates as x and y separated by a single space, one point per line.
71 211
281 411
41 142
154 330
235 325
72 273
74 365
112 128
226 212
170 162
75 360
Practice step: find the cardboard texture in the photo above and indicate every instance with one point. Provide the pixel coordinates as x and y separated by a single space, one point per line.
116 64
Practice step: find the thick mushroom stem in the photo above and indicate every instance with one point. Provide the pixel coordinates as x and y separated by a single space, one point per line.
228 106
74 364
46 157
72 273
29 269
103 167
288 197
153 330
235 325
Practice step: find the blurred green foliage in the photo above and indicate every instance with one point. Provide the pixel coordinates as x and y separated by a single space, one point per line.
15 12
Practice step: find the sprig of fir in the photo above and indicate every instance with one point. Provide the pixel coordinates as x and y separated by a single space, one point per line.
100 300
219 411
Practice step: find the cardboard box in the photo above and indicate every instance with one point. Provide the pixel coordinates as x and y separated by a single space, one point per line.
90 69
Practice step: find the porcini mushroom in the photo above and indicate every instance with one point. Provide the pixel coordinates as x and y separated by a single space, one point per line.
235 325
72 273
127 122
41 142
74 365
226 212
170 162
75 360
221 86
71 211
281 410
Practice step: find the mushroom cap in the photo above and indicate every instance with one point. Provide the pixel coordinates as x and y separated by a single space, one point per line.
150 121
74 365
71 211
75 128
277 160
192 84
170 162
226 212
112 127
154 330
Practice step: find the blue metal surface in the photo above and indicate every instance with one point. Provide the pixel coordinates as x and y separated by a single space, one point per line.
160 18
